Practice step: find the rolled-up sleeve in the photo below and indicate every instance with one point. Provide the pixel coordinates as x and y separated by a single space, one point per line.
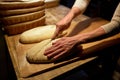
114 24
82 4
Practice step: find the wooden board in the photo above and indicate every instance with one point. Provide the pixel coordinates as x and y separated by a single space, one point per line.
27 71
51 3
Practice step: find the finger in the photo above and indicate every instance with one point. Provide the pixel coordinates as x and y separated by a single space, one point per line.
57 52
48 51
56 33
56 43
59 55
51 49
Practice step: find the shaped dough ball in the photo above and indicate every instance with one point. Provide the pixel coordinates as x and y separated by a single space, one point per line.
38 34
36 53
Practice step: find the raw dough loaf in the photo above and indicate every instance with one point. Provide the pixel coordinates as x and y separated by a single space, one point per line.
38 34
36 53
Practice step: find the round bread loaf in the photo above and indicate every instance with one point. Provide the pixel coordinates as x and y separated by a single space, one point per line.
10 20
38 34
20 5
21 27
4 13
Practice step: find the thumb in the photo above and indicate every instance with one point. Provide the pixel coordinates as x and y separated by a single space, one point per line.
56 33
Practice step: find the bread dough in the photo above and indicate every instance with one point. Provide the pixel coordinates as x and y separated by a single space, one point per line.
38 34
36 53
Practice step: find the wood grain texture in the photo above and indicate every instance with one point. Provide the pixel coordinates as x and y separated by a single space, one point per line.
4 13
16 19
21 27
26 71
20 5
49 4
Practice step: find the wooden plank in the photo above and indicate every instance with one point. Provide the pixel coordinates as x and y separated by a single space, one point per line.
26 71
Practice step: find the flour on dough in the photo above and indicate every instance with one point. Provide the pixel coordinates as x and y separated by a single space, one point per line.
38 34
36 53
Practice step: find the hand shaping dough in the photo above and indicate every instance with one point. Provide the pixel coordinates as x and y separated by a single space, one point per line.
36 53
38 34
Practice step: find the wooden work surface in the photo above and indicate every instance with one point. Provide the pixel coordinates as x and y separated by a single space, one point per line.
26 71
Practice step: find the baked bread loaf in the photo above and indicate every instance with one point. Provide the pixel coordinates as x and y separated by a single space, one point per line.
38 34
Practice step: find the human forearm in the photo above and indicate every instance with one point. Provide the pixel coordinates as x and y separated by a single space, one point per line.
114 24
115 21
78 8
66 21
84 37
81 4
72 14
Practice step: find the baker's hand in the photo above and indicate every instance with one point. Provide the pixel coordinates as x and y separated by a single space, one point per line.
60 27
60 47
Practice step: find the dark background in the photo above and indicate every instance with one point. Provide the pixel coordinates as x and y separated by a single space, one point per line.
97 8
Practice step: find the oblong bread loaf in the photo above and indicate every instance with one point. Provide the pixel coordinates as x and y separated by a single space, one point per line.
38 34
20 11
21 27
51 3
36 53
21 5
10 20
